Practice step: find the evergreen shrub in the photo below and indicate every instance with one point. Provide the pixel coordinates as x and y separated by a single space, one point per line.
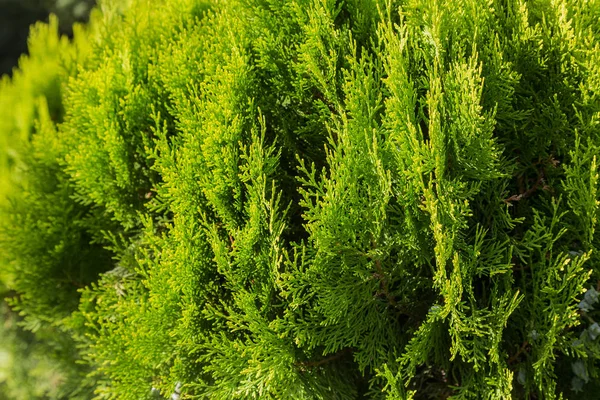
309 199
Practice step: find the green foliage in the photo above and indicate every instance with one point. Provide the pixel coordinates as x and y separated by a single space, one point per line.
309 199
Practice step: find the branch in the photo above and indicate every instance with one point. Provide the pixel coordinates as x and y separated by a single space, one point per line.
521 350
530 191
385 290
310 364
384 284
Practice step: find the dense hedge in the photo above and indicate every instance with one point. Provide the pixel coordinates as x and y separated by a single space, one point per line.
309 199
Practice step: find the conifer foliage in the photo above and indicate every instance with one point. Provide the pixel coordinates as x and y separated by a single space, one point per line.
309 199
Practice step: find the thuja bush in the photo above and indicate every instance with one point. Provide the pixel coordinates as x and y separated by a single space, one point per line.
310 199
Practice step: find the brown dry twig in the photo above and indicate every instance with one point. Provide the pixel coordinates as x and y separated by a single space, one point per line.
530 191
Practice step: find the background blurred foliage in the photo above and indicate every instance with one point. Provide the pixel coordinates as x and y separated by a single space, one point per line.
17 15
32 365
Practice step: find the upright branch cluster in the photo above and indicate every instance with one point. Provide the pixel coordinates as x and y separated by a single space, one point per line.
309 199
